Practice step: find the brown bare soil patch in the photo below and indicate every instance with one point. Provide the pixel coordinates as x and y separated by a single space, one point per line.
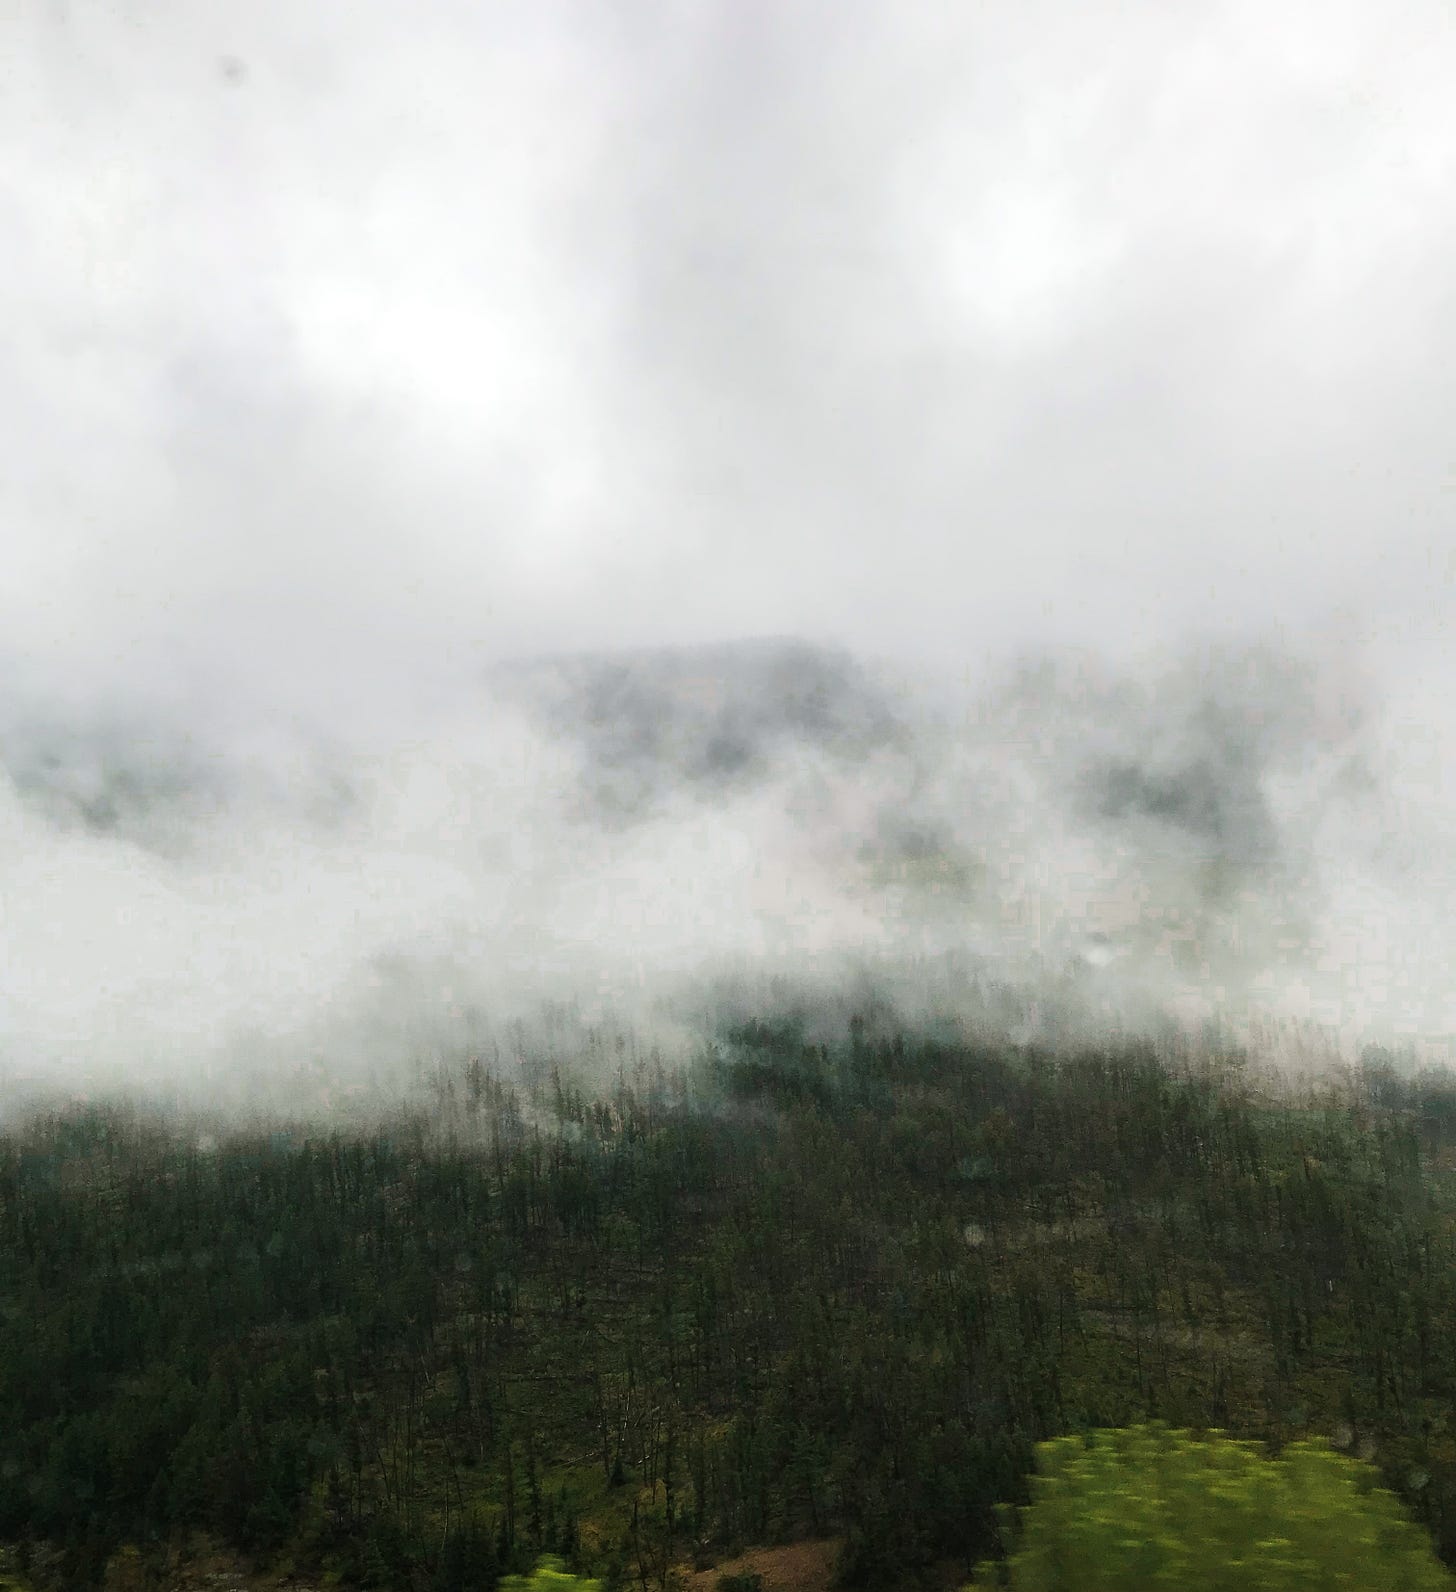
795 1567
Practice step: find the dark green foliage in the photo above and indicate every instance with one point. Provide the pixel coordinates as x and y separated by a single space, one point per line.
799 1290
742 1581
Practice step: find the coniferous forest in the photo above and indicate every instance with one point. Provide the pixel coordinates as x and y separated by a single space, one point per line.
790 1291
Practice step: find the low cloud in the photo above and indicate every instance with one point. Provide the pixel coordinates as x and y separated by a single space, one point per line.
1068 849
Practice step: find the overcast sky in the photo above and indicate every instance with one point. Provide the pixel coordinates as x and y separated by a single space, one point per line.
340 340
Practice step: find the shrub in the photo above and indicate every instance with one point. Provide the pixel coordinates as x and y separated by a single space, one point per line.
550 1575
1147 1507
741 1581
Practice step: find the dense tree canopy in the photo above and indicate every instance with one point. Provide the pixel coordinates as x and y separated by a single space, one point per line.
794 1290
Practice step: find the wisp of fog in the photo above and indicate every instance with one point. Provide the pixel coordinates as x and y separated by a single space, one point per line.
648 842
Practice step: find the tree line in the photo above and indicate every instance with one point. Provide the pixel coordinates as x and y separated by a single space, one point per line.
791 1289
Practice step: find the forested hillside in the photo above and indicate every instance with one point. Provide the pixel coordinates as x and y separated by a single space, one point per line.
790 1291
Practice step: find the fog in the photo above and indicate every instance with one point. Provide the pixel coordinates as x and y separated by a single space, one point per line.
597 516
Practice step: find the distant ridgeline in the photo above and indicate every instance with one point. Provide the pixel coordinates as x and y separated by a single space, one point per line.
791 1291
708 718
